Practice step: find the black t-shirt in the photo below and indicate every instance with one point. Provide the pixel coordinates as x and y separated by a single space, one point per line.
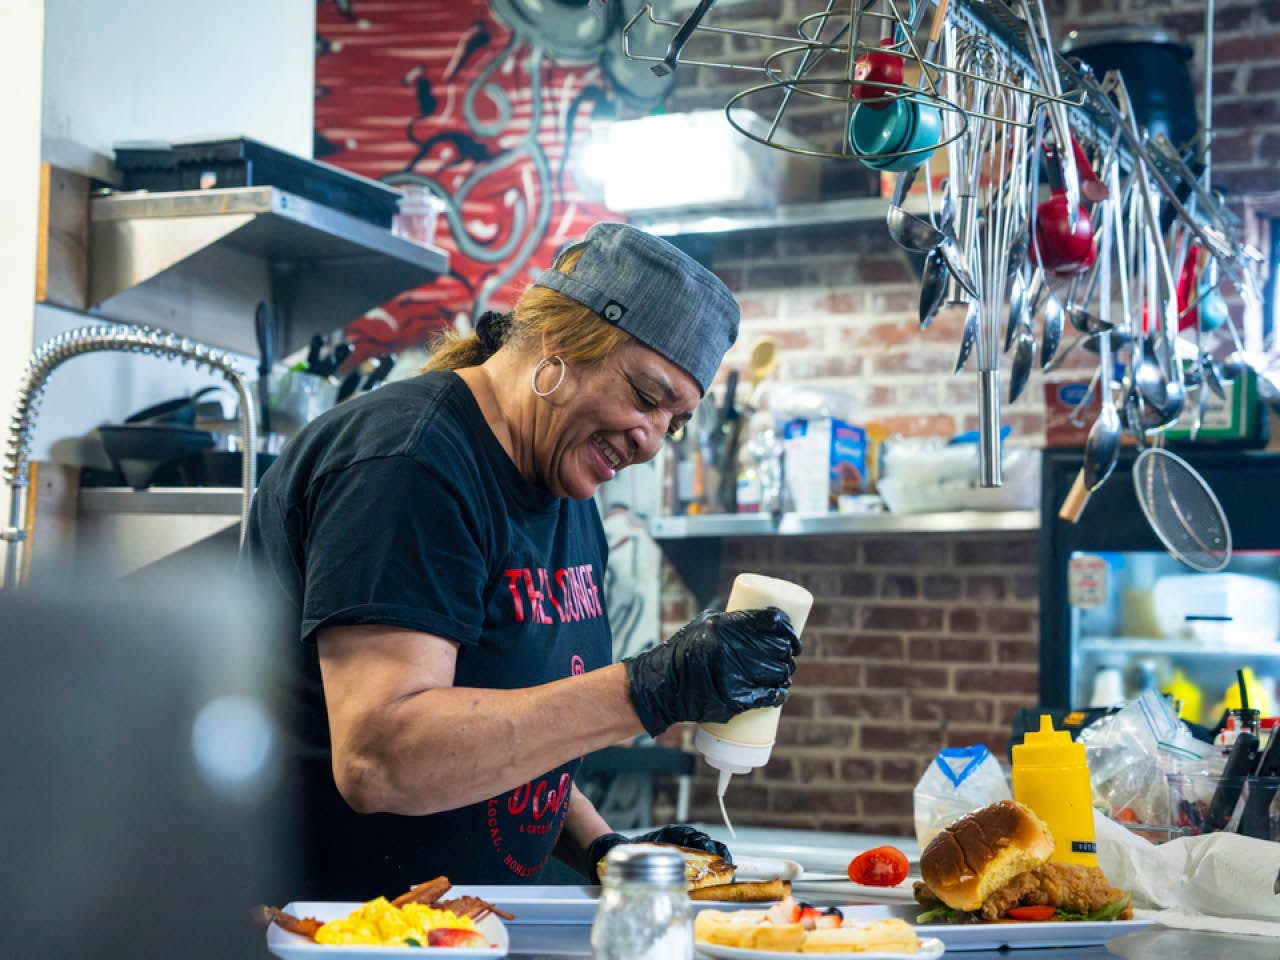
401 508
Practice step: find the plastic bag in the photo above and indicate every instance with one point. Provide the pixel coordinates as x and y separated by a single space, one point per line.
920 474
1131 751
958 781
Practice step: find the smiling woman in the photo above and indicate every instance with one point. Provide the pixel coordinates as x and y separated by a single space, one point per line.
437 544
613 369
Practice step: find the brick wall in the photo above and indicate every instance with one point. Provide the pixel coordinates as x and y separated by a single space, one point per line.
917 641
914 643
1246 74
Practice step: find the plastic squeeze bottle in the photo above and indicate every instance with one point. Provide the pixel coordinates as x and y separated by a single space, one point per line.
746 741
1051 776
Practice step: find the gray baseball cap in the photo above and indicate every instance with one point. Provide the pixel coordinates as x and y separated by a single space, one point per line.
657 293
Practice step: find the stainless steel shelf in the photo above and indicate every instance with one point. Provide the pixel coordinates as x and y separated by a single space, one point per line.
1174 648
822 524
121 530
829 212
197 262
189 501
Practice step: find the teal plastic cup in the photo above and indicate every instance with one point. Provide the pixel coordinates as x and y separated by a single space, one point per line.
880 130
904 126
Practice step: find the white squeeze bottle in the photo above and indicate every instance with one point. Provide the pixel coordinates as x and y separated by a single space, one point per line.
746 741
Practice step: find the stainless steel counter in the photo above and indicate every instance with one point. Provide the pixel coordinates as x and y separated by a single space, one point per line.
530 942
819 852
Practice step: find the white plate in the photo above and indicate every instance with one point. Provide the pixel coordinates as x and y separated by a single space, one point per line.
816 851
1016 936
855 892
766 868
293 947
555 904
930 949
542 903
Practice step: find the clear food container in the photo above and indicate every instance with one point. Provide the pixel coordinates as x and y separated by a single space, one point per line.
1205 803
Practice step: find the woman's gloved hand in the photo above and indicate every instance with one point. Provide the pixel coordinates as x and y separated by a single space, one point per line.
715 667
679 834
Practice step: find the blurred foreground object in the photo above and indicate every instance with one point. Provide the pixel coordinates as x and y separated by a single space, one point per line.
144 815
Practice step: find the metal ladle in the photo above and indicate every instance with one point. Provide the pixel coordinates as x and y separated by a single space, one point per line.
1103 444
920 236
1159 388
1102 447
933 287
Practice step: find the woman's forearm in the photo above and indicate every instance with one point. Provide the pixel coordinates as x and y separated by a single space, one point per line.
582 824
445 747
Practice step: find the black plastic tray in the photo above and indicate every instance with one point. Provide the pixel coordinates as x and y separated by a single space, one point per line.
244 162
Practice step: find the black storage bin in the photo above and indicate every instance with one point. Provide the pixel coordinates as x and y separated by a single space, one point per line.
243 162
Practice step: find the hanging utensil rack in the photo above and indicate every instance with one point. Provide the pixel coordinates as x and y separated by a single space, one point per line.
1092 121
988 75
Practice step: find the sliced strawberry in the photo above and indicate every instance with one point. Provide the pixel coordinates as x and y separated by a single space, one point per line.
809 916
455 937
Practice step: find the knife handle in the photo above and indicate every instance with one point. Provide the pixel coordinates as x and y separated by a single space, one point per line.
262 330
314 350
1241 763
348 385
1255 820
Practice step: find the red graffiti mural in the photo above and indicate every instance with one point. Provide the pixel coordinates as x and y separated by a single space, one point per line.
445 94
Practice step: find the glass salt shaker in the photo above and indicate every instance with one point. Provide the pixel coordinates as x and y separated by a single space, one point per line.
644 911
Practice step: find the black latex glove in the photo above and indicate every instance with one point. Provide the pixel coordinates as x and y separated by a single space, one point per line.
715 667
679 834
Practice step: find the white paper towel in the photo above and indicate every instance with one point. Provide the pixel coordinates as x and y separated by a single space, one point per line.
1220 881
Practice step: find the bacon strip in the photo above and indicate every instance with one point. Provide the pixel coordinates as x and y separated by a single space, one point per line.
302 926
425 893
473 907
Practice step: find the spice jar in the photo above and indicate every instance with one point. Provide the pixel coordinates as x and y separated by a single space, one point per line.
644 911
416 214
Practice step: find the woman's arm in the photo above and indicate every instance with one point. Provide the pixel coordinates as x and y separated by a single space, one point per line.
582 824
406 741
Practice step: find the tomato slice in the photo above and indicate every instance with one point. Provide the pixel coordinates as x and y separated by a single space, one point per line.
879 867
1038 912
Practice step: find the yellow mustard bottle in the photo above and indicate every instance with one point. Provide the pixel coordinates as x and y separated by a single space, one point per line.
1188 695
1051 776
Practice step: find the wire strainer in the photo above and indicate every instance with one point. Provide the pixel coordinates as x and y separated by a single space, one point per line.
1182 510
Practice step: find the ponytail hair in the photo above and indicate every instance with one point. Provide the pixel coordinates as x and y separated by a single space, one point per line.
455 350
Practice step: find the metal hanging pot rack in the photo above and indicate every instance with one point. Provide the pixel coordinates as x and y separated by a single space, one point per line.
845 29
1079 105
985 83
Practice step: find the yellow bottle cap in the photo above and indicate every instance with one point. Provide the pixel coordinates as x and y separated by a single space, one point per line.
1048 747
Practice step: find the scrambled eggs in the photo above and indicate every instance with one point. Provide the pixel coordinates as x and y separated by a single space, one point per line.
379 924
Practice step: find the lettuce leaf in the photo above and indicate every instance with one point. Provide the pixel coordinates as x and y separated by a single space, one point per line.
939 915
1108 911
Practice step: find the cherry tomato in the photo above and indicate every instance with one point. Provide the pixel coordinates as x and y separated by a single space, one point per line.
1033 913
881 867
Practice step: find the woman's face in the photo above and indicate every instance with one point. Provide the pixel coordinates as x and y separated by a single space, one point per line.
607 417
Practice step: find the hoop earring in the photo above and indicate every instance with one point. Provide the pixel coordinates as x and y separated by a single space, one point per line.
542 365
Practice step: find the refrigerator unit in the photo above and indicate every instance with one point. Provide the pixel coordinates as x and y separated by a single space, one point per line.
1118 614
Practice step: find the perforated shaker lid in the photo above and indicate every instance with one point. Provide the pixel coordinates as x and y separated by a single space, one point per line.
645 863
